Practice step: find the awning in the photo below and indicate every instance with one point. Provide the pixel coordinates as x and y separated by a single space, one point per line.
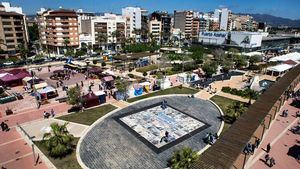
99 93
108 78
295 56
47 89
39 86
8 77
3 74
280 68
145 84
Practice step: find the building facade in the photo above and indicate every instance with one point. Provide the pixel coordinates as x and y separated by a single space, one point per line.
108 31
58 30
133 17
165 21
13 30
183 20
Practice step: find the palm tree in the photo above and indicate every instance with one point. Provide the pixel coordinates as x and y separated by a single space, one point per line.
251 94
184 158
237 107
102 38
23 51
59 140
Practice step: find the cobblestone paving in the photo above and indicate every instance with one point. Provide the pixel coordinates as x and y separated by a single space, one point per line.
109 145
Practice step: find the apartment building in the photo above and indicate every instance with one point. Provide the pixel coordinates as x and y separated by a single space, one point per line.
183 20
12 30
58 30
165 24
223 16
108 31
135 20
195 28
155 28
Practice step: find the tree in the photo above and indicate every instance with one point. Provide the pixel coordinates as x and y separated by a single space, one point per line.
235 109
23 50
251 94
254 59
102 38
66 42
184 158
103 64
33 32
122 85
240 61
218 55
75 97
210 68
145 74
80 53
59 140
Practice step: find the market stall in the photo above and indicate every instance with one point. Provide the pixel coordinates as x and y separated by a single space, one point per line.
108 82
101 95
47 92
90 100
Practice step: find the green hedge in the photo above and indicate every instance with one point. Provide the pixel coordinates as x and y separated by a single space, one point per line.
7 99
243 93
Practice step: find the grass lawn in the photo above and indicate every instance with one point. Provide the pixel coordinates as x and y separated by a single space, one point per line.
173 90
223 102
89 116
68 162
147 68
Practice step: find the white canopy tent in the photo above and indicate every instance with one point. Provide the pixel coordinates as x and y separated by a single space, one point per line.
279 69
253 54
295 56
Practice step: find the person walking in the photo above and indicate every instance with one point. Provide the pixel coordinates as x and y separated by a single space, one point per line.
267 158
272 162
257 142
52 113
268 148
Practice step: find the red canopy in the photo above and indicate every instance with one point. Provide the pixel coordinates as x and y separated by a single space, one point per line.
8 78
16 71
21 75
108 78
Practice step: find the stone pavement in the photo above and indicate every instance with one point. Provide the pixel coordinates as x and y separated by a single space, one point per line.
16 153
37 128
281 140
119 149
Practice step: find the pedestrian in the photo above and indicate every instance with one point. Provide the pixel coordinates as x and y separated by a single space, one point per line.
85 76
253 146
2 126
52 113
81 83
268 148
257 142
272 162
267 158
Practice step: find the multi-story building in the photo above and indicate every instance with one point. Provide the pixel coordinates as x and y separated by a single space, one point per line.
195 28
223 16
134 20
12 30
155 28
165 21
108 31
58 30
183 20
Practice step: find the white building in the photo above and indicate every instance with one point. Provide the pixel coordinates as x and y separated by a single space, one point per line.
9 8
133 17
223 16
155 27
102 27
235 38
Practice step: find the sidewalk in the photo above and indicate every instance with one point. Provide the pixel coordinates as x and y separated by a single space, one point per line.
281 139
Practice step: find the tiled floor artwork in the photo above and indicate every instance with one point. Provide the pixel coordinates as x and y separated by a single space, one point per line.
160 126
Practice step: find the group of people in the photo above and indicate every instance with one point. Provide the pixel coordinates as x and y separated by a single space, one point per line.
210 138
4 126
285 113
47 114
250 148
269 161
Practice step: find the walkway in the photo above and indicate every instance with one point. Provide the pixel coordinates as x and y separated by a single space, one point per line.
16 153
281 140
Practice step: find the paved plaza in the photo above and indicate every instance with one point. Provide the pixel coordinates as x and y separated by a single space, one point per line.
109 144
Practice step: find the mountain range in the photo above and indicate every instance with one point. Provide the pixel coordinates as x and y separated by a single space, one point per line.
275 20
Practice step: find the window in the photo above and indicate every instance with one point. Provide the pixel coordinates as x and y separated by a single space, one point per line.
6 23
7 29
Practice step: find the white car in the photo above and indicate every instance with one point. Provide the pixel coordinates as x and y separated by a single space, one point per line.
8 63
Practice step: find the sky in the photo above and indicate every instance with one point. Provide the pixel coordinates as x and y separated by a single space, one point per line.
283 8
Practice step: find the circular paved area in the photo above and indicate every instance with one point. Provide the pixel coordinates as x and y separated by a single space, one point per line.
110 145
